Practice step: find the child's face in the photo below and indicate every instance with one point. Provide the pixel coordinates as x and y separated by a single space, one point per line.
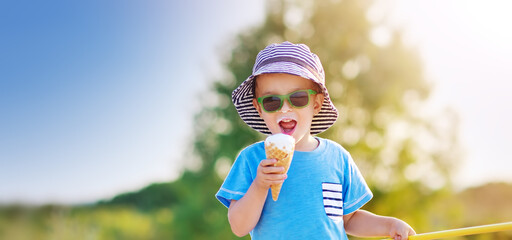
288 120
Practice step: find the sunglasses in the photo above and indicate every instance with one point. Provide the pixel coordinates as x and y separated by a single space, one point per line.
273 103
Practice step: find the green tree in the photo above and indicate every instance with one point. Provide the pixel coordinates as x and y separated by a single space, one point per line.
377 84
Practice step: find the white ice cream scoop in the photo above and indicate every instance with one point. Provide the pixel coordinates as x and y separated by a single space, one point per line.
281 141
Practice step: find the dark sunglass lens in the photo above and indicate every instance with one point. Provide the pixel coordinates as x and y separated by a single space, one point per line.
271 103
299 99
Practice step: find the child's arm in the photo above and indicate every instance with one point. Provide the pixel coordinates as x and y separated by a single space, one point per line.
244 214
366 224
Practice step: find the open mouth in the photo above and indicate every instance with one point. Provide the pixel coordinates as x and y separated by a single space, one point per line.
287 126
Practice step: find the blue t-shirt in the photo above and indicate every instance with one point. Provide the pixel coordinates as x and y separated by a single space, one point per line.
322 186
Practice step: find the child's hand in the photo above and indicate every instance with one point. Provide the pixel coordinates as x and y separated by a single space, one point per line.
400 230
268 175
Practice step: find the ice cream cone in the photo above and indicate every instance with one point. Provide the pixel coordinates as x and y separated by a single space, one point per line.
279 147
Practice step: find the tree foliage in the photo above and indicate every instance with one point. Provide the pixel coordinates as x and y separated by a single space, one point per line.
154 196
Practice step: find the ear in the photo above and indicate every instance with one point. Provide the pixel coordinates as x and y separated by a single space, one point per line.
319 100
256 105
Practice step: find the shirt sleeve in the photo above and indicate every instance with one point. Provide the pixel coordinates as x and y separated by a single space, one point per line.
356 191
237 182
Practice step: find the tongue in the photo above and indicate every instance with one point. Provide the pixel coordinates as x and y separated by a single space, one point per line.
288 126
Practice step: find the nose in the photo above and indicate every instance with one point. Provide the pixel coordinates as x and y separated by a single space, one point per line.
286 107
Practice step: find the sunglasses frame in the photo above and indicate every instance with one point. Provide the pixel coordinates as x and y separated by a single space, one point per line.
286 97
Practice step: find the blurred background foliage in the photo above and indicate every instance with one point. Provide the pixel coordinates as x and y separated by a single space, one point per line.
377 84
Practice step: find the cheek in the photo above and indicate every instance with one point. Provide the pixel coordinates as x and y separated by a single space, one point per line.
310 115
268 118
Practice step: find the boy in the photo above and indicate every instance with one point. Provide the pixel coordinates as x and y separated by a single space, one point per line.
324 190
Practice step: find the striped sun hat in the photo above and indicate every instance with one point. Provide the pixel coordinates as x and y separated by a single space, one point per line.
288 58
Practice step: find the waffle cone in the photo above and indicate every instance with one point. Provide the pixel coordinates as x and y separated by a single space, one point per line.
284 159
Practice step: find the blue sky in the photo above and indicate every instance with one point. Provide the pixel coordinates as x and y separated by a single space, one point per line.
98 97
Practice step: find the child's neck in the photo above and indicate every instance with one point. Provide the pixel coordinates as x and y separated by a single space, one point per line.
307 144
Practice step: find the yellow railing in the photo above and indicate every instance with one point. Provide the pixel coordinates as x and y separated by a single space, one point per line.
463 231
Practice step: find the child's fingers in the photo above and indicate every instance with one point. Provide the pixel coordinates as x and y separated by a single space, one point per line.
403 234
276 180
272 170
267 167
400 230
269 175
276 177
267 162
398 236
